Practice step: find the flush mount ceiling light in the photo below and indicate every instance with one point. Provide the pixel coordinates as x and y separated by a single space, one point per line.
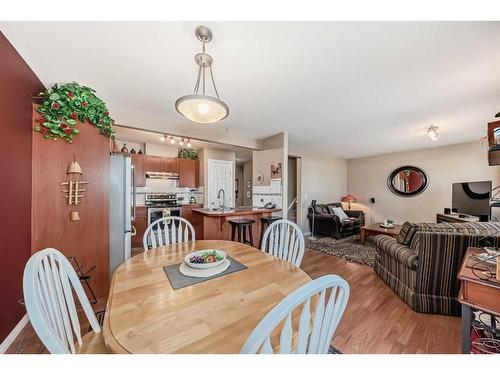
202 108
432 132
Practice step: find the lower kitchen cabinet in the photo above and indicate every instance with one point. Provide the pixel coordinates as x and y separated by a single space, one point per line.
187 213
140 224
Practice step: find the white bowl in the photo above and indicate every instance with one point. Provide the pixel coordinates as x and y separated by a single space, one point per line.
205 265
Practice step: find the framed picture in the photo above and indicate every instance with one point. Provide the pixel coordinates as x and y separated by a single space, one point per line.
249 194
249 184
276 170
494 134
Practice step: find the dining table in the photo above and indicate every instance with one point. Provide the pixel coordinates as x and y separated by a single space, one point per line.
145 314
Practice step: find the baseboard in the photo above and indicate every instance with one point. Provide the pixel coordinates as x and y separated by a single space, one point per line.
13 334
308 233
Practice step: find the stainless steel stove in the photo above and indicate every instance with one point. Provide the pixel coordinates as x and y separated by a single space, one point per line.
161 205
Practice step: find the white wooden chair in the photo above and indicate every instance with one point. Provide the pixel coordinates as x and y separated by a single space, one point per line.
285 240
48 284
310 339
155 236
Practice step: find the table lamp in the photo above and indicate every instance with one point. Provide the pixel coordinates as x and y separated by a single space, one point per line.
349 199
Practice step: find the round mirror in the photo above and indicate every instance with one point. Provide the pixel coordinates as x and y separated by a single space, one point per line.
407 181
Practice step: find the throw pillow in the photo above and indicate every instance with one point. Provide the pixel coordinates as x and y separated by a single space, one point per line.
340 213
406 233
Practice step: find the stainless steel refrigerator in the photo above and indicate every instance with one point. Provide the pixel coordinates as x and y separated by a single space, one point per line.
121 210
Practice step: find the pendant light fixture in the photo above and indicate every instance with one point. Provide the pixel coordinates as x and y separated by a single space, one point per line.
200 107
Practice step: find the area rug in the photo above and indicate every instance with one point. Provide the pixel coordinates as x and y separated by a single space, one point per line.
348 248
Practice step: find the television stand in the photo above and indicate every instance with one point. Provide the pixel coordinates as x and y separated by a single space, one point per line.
457 218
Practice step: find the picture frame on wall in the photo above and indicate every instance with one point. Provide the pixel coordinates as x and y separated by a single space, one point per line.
276 170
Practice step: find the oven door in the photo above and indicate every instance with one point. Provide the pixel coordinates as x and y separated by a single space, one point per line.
155 213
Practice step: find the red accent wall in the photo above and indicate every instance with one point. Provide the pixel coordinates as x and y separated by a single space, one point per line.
17 83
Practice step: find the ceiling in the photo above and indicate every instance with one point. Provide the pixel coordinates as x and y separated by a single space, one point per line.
142 136
349 89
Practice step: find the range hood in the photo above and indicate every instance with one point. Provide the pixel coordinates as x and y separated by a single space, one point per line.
162 175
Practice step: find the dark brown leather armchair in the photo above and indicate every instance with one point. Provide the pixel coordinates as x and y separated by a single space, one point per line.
326 223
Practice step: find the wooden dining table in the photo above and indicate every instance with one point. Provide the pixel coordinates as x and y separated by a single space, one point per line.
144 314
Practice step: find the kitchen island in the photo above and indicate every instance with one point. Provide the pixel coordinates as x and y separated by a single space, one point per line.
214 225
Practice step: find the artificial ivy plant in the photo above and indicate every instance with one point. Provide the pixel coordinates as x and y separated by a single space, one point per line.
187 153
63 105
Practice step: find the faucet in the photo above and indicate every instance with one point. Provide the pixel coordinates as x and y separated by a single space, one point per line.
223 205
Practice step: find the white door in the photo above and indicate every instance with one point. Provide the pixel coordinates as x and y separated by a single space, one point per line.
220 176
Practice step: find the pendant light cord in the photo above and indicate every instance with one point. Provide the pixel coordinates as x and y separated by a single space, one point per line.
201 77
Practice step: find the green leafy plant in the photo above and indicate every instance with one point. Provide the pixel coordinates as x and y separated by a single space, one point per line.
187 153
64 105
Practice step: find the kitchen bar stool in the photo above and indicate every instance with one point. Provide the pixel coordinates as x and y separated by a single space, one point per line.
242 225
264 223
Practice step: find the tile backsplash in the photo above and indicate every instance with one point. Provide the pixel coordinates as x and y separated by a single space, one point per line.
270 193
167 186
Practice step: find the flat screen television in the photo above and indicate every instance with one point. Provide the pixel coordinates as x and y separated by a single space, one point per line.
472 198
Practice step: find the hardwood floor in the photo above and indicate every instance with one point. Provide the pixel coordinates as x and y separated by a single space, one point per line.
375 321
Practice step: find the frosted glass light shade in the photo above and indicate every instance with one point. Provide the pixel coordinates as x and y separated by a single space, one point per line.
202 108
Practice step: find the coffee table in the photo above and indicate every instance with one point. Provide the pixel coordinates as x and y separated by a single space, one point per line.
375 228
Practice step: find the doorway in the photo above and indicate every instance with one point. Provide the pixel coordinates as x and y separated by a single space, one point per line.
294 189
220 176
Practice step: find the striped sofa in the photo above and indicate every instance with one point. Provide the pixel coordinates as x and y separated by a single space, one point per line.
422 263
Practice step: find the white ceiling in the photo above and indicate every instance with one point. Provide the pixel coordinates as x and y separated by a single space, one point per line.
347 88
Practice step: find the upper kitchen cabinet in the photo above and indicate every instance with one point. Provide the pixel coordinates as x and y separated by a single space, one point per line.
154 163
170 165
162 164
139 163
189 173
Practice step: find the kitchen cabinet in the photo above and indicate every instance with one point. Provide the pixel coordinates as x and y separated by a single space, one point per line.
154 163
189 171
170 165
140 224
195 220
139 163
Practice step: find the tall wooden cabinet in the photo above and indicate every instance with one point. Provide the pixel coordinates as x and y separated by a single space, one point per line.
139 163
189 171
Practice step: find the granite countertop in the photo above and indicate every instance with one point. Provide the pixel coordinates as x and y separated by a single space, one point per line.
235 211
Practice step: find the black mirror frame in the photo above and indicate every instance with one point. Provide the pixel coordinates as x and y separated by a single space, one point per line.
425 181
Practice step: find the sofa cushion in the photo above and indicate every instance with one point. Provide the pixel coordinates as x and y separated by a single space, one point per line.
321 209
406 233
339 212
394 249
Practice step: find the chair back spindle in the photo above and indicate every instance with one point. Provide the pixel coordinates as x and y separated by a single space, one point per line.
285 240
49 283
314 331
166 231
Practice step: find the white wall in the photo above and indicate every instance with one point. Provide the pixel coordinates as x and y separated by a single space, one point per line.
367 177
162 150
324 178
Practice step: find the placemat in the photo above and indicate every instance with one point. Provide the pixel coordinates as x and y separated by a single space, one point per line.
178 280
